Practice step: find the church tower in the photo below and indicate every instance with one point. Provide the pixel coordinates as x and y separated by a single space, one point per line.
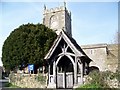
58 19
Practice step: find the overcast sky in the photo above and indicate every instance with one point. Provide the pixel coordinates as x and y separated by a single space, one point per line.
92 22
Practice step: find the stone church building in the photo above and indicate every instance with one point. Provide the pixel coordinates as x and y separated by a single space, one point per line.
69 62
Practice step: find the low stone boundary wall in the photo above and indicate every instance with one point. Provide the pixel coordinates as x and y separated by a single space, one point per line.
29 81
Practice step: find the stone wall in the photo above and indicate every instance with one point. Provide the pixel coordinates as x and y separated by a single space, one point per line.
28 81
112 58
110 79
103 56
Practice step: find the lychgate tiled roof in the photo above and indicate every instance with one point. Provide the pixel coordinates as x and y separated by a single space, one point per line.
71 42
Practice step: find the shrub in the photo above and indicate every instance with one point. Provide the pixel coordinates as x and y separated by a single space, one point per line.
99 78
27 44
11 85
89 86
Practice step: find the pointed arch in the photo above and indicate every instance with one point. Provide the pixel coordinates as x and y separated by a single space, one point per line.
71 59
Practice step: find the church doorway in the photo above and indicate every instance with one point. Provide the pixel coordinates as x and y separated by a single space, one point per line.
65 73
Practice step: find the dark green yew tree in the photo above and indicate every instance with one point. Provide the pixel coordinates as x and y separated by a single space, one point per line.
27 44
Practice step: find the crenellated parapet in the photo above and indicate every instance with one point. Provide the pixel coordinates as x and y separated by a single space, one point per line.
56 9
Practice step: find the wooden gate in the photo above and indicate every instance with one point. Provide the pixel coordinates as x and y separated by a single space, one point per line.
65 80
60 80
69 80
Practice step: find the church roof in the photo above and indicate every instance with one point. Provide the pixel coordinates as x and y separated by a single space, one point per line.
70 42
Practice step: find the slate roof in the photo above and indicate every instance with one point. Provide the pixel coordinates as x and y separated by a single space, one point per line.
75 44
71 42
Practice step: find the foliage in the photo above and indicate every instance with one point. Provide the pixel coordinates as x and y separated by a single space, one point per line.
90 86
27 44
117 75
11 85
99 78
102 78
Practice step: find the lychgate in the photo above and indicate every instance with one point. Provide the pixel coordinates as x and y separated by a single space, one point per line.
67 63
